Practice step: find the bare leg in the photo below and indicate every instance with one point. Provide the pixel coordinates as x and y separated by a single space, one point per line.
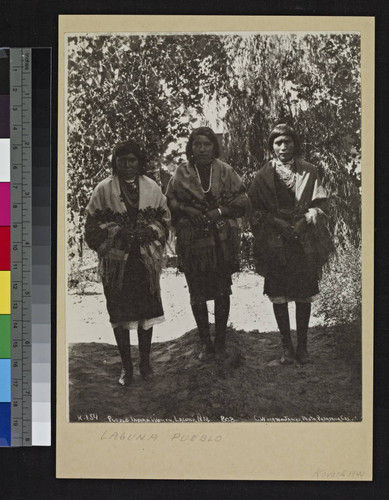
144 338
122 337
281 313
222 311
303 314
200 313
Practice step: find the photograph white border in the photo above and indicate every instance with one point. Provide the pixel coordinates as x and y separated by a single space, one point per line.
254 451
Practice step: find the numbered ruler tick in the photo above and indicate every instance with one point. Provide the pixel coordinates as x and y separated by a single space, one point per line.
21 245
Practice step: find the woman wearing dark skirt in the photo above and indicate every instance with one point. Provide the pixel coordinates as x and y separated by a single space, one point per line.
206 196
127 225
291 239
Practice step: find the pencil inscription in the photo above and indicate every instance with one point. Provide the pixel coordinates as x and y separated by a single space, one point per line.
340 474
124 436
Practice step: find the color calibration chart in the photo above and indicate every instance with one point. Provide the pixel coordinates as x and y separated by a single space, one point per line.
25 246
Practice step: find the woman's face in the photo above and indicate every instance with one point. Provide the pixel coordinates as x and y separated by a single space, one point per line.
127 166
283 147
202 149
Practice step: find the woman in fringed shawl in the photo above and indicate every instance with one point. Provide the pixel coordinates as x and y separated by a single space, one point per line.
127 225
206 196
291 239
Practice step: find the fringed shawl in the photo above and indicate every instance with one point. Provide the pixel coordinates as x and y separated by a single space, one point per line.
308 187
309 194
109 209
196 246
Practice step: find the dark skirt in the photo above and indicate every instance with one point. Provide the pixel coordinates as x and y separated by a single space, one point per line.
296 278
205 286
134 301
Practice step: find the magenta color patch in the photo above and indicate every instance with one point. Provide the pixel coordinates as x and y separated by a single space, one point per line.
5 204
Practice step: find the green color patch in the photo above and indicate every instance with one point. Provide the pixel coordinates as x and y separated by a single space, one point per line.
5 336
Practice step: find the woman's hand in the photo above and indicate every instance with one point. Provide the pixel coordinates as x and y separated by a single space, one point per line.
214 215
190 211
195 215
284 228
126 236
300 227
147 234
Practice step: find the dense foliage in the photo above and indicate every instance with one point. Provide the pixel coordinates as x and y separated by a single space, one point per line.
341 288
155 88
147 88
313 83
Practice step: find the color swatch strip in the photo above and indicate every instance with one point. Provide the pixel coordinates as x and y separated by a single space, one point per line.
5 274
40 265
41 247
21 245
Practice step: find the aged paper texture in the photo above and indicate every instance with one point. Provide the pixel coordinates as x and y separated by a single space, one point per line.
100 439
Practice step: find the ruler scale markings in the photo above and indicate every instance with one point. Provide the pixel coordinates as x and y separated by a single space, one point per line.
21 258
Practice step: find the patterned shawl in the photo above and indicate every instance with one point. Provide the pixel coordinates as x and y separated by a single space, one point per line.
309 200
196 246
109 211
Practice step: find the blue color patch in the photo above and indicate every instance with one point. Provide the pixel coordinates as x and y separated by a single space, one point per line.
5 424
5 380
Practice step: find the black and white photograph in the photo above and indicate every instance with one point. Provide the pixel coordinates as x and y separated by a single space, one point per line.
213 227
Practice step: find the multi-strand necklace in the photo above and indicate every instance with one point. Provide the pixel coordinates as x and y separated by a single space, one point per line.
210 179
287 173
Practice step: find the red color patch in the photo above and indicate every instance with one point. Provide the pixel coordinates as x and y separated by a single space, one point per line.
5 249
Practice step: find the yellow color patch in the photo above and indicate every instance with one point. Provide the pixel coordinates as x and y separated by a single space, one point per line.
5 292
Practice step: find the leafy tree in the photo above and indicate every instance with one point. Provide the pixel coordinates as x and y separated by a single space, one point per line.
148 88
313 83
154 88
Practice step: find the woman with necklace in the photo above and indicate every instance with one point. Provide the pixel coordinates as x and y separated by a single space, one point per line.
206 196
127 225
291 239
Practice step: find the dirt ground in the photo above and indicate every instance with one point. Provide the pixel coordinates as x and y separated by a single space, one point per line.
87 318
249 385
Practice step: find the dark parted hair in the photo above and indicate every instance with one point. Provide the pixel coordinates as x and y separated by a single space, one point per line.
284 129
125 148
207 132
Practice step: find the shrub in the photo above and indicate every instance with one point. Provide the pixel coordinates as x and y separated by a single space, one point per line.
341 287
246 250
82 272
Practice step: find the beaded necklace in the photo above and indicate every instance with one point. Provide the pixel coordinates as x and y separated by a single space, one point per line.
210 179
286 173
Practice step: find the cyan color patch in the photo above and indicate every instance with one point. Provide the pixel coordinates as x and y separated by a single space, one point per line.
5 380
